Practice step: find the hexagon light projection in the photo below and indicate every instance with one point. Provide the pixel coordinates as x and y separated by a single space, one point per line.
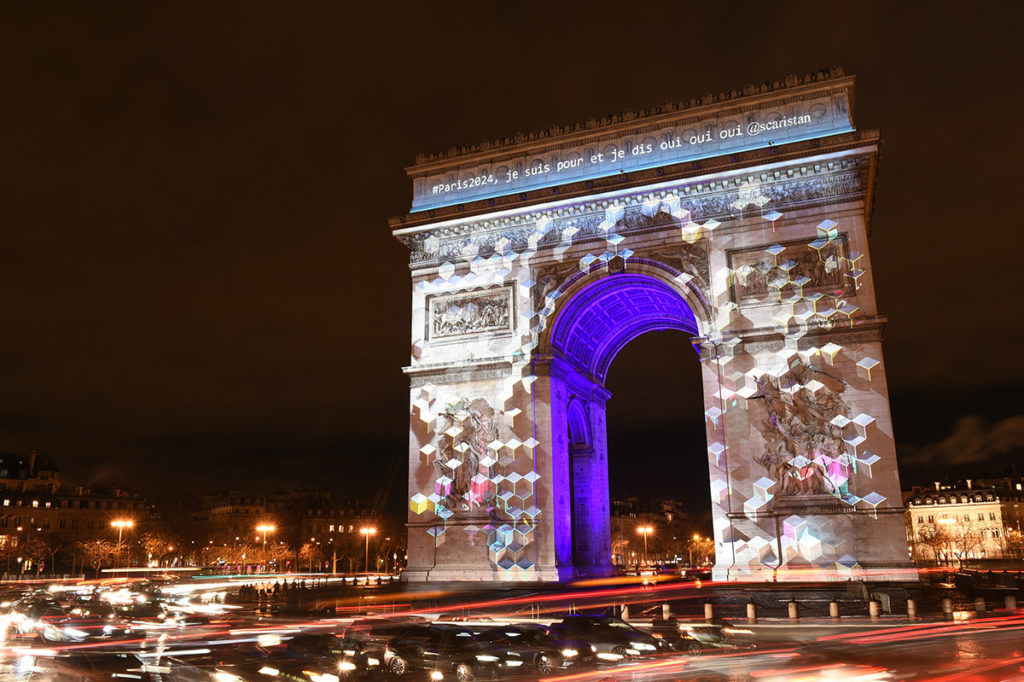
521 301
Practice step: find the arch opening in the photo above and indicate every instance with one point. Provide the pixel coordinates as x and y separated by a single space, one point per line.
605 315
592 327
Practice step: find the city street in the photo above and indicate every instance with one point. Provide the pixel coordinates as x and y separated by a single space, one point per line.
184 631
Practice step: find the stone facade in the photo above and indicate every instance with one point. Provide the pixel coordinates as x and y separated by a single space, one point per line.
965 521
518 312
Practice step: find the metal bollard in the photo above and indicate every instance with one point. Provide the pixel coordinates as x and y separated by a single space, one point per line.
874 608
833 610
709 611
794 610
911 608
751 612
1011 603
979 605
666 612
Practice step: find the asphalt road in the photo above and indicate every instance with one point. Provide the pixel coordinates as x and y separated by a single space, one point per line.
983 649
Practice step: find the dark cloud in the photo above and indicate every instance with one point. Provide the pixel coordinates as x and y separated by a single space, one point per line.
975 444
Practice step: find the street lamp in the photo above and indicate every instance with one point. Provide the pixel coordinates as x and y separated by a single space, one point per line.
645 531
120 525
265 528
366 560
696 538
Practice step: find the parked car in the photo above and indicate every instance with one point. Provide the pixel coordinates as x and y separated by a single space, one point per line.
613 638
445 651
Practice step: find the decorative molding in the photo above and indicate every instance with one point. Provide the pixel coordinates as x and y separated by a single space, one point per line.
485 370
802 185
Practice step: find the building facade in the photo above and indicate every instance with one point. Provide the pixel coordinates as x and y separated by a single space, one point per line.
970 519
36 506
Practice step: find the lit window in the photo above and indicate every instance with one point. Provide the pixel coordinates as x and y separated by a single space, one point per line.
47 505
7 503
35 504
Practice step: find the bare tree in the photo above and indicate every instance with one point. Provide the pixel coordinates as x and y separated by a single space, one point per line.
311 552
96 552
966 539
54 543
157 545
33 553
948 539
931 538
703 549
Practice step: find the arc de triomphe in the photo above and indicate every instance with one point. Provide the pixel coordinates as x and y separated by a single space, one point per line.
741 219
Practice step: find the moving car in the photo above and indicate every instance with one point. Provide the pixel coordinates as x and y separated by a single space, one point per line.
571 651
447 652
612 638
714 634
536 655
82 627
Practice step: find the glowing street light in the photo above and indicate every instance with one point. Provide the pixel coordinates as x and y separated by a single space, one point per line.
645 531
265 528
120 525
696 538
366 560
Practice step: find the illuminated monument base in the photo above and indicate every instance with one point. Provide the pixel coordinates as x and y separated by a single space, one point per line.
521 303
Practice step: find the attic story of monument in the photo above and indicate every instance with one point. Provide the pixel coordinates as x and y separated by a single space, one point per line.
752 239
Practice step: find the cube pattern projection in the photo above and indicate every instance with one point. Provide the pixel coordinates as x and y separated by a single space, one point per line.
774 294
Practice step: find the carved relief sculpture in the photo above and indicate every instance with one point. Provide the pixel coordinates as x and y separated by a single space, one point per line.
796 416
464 430
767 274
470 312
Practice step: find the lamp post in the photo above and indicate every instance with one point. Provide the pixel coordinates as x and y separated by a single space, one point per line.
367 532
645 531
696 538
120 525
265 528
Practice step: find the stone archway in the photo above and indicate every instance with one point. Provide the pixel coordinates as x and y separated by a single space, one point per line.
602 312
522 299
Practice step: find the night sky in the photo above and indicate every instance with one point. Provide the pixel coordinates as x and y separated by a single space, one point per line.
200 290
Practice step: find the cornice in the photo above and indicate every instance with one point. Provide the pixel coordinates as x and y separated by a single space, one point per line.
750 96
729 163
770 339
811 182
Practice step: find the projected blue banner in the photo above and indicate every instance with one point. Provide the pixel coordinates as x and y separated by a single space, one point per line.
647 146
